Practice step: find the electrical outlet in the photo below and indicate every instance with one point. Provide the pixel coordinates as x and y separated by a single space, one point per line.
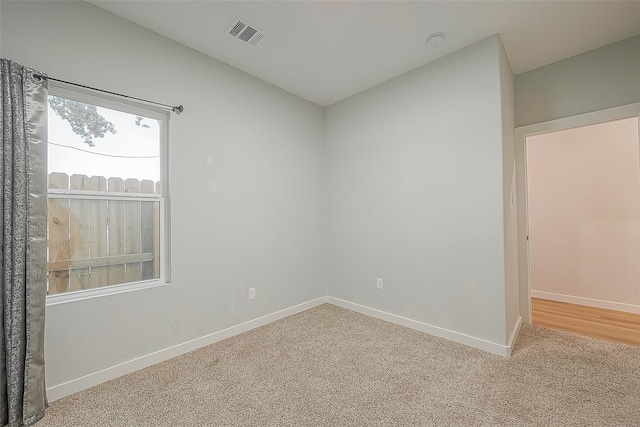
252 294
379 283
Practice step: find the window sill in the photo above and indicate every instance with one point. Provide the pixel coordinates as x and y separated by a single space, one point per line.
101 292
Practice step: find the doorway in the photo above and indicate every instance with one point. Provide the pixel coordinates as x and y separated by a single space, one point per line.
582 222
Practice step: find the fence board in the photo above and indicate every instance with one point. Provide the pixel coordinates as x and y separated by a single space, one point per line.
98 261
98 246
132 230
116 231
147 229
94 243
58 233
79 225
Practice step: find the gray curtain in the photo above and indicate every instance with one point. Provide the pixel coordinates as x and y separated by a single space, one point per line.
23 228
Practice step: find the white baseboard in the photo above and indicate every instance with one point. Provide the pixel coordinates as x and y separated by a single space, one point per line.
590 302
514 335
491 347
61 390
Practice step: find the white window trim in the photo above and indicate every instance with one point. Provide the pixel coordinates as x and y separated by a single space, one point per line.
106 101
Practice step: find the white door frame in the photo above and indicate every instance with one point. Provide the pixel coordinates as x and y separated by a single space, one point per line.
521 134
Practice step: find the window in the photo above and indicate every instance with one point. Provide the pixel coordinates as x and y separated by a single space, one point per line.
106 215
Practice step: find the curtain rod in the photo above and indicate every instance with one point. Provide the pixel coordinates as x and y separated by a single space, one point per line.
176 109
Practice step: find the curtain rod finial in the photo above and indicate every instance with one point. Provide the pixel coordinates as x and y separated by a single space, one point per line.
178 110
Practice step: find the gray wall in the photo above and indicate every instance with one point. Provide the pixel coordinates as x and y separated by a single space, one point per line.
415 194
595 80
246 180
407 186
509 194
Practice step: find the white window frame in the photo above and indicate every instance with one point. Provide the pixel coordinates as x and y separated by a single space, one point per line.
111 102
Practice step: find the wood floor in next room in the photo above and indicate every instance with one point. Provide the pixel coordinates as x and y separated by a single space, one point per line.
594 322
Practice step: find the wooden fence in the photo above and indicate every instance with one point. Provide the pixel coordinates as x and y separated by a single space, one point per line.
101 242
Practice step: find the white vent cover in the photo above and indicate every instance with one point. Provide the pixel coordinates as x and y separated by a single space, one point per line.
247 32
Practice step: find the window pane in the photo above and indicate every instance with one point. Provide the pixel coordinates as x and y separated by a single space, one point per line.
95 239
95 141
97 243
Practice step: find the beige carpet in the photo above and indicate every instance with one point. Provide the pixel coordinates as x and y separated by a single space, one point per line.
332 367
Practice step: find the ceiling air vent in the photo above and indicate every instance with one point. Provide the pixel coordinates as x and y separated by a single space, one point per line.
247 32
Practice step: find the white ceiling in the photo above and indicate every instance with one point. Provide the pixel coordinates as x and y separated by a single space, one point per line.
325 51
